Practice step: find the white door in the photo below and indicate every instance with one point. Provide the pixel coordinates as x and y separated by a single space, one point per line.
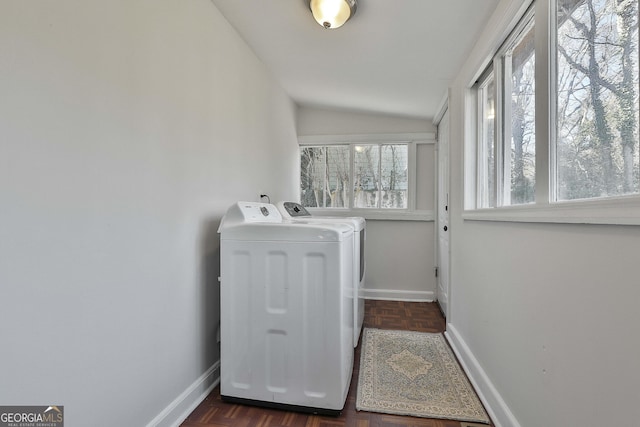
443 213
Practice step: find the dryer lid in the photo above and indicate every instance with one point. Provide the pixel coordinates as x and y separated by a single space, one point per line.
296 212
288 232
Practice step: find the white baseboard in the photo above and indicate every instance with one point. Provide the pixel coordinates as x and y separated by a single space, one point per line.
397 295
178 410
495 405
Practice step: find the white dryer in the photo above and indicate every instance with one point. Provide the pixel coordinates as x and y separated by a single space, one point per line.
297 213
286 316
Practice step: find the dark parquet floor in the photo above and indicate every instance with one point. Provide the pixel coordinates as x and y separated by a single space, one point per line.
424 317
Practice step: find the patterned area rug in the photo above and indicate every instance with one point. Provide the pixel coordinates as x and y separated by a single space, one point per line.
414 373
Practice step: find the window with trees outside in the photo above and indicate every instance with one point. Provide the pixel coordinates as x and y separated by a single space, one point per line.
590 146
597 99
368 176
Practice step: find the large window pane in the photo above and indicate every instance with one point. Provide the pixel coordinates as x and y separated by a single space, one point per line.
519 153
324 176
597 141
337 176
394 176
366 176
312 171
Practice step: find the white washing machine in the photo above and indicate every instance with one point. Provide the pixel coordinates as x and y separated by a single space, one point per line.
296 212
286 316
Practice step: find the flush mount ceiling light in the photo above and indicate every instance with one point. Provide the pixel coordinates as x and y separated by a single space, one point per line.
332 13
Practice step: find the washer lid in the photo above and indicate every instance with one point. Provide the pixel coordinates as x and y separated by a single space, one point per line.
356 222
287 232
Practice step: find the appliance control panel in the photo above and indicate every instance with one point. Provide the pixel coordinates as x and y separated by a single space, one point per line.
249 212
259 212
295 209
244 212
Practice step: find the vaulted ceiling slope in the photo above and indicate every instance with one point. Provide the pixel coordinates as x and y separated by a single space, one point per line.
393 57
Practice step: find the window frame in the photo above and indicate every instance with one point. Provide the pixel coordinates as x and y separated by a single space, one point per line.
616 210
486 189
499 70
412 140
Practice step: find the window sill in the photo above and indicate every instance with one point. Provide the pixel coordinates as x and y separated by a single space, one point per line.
376 215
618 211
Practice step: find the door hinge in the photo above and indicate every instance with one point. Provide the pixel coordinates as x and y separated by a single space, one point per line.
436 271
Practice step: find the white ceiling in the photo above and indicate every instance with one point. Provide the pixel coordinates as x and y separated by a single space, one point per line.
394 56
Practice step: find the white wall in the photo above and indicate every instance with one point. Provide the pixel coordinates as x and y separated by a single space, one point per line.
400 254
544 315
126 130
400 260
320 121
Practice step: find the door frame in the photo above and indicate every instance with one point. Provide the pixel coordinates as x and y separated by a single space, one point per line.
443 114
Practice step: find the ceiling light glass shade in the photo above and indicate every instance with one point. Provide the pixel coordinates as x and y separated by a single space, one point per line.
332 13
